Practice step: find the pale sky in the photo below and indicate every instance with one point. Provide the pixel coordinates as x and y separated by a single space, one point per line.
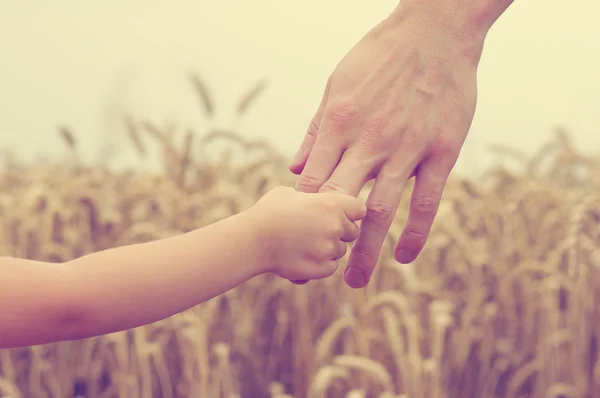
84 64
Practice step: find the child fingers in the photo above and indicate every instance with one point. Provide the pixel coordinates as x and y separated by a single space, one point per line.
325 269
331 266
349 231
340 249
354 208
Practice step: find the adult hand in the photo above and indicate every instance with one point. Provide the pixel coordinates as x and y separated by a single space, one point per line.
398 105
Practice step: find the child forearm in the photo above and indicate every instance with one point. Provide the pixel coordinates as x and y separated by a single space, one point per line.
126 287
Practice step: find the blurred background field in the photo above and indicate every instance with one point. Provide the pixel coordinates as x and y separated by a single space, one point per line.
86 63
500 304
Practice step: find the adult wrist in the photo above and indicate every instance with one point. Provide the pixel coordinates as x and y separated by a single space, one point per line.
472 18
457 27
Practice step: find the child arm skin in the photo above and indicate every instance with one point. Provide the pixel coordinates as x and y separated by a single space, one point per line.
292 234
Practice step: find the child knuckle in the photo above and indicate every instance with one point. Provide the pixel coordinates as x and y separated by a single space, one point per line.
327 249
334 228
329 204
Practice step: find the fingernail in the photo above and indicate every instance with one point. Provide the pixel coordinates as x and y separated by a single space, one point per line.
299 282
404 257
355 278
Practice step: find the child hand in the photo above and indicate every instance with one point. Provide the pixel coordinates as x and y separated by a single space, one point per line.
304 234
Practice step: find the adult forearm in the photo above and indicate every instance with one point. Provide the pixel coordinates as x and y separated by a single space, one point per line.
486 12
471 17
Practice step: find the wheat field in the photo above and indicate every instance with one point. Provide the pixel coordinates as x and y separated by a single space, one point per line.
501 303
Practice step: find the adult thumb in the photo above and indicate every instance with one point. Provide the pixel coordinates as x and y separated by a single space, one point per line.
301 157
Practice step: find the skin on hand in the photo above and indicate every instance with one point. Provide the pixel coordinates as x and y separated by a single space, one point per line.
293 234
398 105
305 234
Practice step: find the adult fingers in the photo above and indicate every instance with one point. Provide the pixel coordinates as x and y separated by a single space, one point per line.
299 282
351 174
430 181
381 204
323 159
332 141
301 157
